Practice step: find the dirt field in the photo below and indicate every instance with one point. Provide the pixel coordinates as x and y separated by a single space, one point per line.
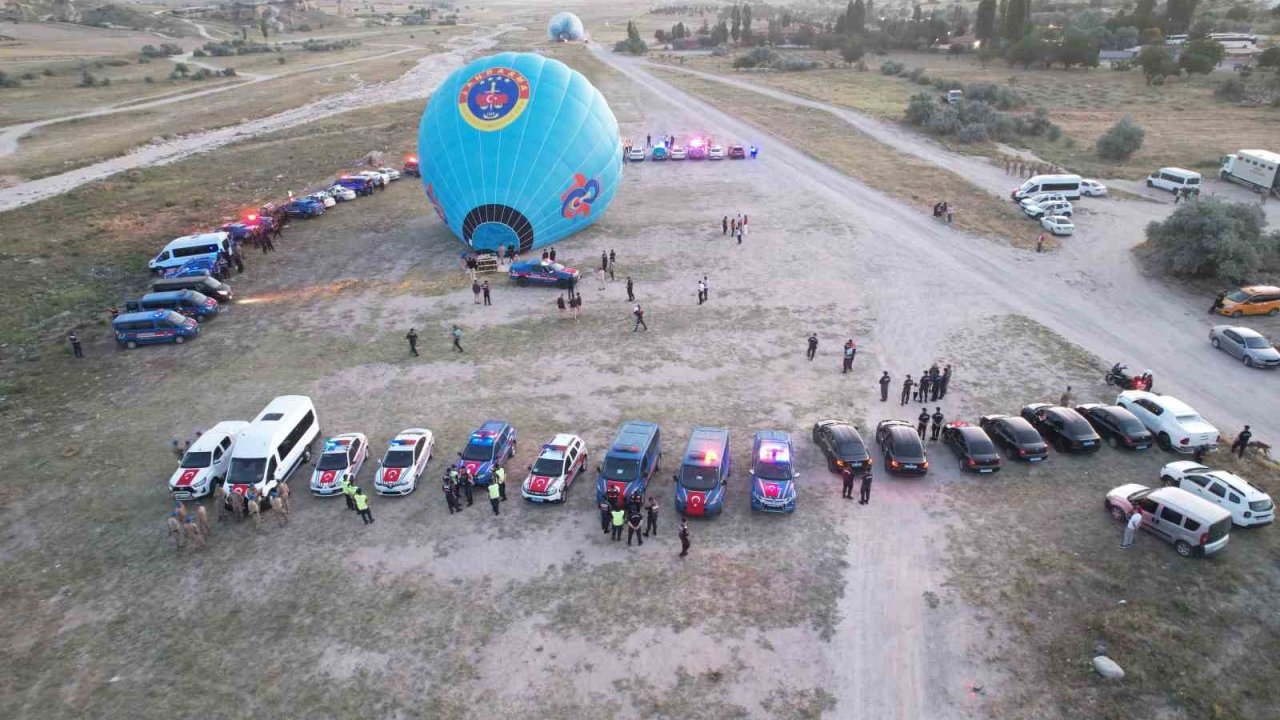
950 596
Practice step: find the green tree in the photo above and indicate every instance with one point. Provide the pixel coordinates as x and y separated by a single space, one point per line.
1122 140
775 32
1156 64
987 52
851 51
1269 58
1178 15
921 108
263 27
1143 15
1201 56
985 26
1002 17
871 12
735 30
720 34
1016 19
1028 50
1077 49
746 24
917 15
1215 239
857 22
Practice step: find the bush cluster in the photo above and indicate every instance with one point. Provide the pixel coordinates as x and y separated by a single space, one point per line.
976 120
1122 140
329 45
227 48
1215 239
164 50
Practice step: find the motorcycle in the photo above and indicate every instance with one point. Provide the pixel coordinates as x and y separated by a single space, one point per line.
1123 380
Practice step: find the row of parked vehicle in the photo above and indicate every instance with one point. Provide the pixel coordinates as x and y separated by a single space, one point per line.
1047 199
189 271
698 149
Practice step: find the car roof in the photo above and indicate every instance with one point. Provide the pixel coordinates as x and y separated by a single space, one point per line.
1259 289
414 434
773 436
893 423
1239 484
1240 330
558 445
214 435
1180 499
144 315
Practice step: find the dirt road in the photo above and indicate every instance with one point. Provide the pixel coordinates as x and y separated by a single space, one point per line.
416 83
1092 292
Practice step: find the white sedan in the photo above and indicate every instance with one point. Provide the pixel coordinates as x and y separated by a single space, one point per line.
677 152
341 459
324 198
715 152
341 194
390 172
1057 224
635 154
1092 188
1176 425
406 459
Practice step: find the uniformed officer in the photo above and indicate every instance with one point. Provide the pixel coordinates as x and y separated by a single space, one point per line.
412 337
619 518
349 491
884 386
465 482
848 485
494 499
651 518
612 496
906 389
848 357
500 477
922 422
362 507
633 528
450 494
945 379
634 503
684 537
813 346
925 382
605 517
864 492
937 423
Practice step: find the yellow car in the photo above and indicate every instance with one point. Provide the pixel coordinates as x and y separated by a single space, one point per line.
1252 300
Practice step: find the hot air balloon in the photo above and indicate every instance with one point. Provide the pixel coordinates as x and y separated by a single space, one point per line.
566 27
517 149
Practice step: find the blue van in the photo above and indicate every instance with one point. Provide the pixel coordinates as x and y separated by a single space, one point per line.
153 326
706 465
187 302
773 472
632 458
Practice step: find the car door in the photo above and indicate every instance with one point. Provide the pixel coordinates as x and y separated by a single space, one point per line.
823 437
958 444
1233 343
1166 523
355 457
1141 409
1197 485
222 457
570 463
216 468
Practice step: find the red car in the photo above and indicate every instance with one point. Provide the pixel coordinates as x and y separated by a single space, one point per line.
737 152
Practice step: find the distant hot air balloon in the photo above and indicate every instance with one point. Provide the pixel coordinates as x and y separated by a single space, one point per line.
566 27
518 149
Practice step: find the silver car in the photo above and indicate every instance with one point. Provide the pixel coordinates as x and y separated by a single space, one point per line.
1252 349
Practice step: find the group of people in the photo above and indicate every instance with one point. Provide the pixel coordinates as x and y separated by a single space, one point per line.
943 210
618 512
1022 168
704 290
1185 195
931 387
734 227
455 334
459 482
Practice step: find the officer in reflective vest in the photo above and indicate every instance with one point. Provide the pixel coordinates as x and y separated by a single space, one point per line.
362 507
349 491
494 497
619 519
500 476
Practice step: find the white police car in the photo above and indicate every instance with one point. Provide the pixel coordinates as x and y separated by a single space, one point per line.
406 459
560 461
206 461
341 194
341 457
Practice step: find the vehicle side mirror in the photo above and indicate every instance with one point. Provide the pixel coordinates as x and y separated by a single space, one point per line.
459 454
599 469
675 478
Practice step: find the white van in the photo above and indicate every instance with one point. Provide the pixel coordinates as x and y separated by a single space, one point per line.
274 445
1067 185
189 247
1175 179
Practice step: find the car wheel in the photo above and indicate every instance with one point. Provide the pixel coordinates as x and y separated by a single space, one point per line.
1163 441
1214 342
1113 441
1166 480
1150 184
521 281
131 345
306 455
179 339
1184 548
1274 312
1060 445
1117 513
1236 314
1248 361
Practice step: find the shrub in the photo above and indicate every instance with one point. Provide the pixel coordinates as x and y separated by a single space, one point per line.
921 108
281 60
87 79
719 51
1231 90
28 76
148 79
199 52
945 85
7 80
973 133
104 82
889 67
1054 133
758 57
1122 140
1121 65
860 66
229 72
915 74
944 121
48 72
1215 239
1036 123
794 64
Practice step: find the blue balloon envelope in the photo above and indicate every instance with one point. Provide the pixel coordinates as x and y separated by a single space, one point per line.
566 27
518 149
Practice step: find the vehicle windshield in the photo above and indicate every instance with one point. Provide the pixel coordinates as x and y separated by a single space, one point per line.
478 452
332 461
548 466
1238 296
1078 426
772 471
620 469
1132 425
246 471
852 448
197 459
694 477
979 445
1256 342
398 459
1025 435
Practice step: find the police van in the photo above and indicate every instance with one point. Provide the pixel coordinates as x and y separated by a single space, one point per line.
153 326
1067 185
632 458
204 284
274 445
190 247
188 302
706 466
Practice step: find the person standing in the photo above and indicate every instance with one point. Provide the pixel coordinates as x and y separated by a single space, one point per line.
935 386
576 304
604 261
684 537
848 357
457 339
648 140
551 254
613 258
349 492
922 393
937 423
651 517
1040 243
362 507
701 292
631 296
1217 302
945 380
739 234
813 347
560 303
450 498
1065 400
864 492
1241 442
464 482
500 479
611 267
494 498
847 492
922 422
76 349
706 288
724 225
412 337
884 386
1131 527
906 389
639 313
633 528
484 288
619 518
475 292
606 517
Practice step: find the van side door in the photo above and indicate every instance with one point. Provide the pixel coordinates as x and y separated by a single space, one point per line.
1167 522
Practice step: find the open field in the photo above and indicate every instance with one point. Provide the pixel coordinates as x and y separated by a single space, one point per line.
949 596
1185 125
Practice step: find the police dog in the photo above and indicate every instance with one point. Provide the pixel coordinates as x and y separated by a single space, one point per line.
202 521
237 506
175 531
254 510
281 510
220 501
192 531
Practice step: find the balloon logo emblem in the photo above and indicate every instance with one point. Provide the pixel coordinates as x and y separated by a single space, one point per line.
576 201
493 98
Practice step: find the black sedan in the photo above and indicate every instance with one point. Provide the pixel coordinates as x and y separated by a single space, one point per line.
1017 436
1062 426
842 445
972 445
1118 426
903 451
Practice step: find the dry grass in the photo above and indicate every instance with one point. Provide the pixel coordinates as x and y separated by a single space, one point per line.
831 140
1185 125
